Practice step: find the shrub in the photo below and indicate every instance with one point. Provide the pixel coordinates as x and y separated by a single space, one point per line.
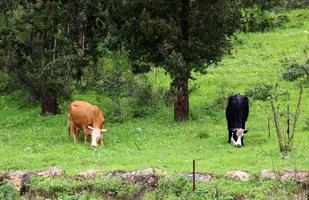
140 67
256 19
68 188
7 192
294 70
127 95
259 93
270 4
7 84
141 88
215 108
174 186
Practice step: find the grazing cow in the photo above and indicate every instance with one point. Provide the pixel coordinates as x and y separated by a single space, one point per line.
237 112
89 118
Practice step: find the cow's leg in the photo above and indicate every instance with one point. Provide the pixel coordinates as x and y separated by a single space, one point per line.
230 135
75 134
86 137
242 141
86 133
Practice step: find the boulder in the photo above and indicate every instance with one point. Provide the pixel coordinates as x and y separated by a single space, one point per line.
203 177
268 174
54 171
90 174
301 177
238 175
18 179
145 177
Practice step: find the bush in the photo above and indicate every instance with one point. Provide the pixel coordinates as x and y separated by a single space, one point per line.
7 83
127 95
68 188
270 4
140 67
294 70
259 93
215 108
256 19
7 192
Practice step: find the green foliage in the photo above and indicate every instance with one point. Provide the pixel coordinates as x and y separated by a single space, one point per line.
294 70
257 19
285 124
180 36
47 44
181 188
36 48
178 187
127 95
172 187
7 83
261 93
155 32
271 4
218 105
69 188
7 192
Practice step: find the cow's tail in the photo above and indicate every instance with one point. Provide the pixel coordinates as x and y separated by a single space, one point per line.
69 130
69 127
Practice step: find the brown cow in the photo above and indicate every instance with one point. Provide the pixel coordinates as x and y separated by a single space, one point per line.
83 115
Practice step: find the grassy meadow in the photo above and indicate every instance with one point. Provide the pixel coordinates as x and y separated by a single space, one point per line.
29 141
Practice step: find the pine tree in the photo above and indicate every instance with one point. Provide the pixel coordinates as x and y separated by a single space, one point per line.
181 36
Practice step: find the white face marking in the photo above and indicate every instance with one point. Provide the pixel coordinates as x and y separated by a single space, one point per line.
95 136
232 139
239 133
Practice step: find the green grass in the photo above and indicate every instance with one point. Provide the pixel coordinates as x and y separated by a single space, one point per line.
29 141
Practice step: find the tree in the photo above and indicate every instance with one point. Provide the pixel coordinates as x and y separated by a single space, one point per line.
285 125
48 43
181 36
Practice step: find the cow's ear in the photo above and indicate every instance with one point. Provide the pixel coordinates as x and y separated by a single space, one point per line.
245 131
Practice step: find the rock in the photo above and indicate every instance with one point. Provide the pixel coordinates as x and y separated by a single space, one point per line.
238 175
18 179
204 177
90 174
146 177
241 197
54 171
301 177
268 174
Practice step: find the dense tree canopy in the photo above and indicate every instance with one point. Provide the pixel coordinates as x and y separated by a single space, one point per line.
47 43
181 36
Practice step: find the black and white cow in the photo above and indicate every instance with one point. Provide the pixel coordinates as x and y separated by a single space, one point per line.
237 112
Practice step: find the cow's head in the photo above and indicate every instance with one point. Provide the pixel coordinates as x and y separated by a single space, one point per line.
96 135
237 135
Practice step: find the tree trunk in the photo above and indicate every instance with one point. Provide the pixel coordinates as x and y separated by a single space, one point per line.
49 103
181 100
